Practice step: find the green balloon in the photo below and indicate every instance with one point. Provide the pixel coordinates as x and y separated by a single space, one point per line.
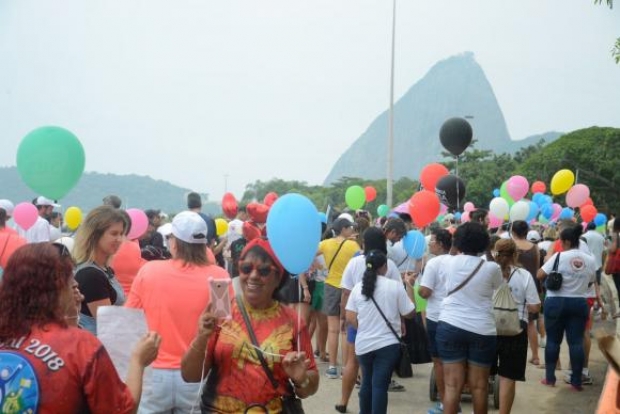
355 197
50 160
503 192
420 302
383 210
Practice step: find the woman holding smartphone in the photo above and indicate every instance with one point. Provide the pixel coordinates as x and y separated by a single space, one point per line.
173 294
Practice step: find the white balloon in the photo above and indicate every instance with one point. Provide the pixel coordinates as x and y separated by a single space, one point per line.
519 210
499 207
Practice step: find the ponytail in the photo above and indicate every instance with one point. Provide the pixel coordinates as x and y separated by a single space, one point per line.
374 261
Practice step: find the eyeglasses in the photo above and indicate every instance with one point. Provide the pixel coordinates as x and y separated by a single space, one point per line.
263 270
62 249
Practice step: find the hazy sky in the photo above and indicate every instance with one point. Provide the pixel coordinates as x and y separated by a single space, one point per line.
189 91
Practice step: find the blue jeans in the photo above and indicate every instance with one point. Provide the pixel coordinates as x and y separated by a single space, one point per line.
565 315
377 367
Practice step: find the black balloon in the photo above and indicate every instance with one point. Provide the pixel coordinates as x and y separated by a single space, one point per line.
455 135
451 191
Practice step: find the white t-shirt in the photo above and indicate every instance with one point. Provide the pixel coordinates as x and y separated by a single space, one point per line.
372 331
397 253
433 279
523 290
596 244
354 272
471 308
39 232
234 232
578 270
544 245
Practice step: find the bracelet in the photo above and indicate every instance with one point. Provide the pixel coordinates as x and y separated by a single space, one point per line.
304 384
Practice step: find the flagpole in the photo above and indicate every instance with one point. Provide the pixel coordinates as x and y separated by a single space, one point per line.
390 144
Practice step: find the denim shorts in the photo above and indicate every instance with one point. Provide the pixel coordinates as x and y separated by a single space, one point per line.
458 345
431 331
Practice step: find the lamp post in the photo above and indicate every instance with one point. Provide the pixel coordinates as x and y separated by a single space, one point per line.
390 143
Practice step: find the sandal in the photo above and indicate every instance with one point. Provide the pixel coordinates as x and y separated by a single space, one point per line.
547 383
341 408
534 361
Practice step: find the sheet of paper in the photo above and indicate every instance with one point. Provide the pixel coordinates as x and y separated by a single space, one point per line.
119 329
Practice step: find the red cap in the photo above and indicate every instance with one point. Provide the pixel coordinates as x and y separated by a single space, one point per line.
264 244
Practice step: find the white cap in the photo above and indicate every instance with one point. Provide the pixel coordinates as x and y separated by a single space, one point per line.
347 216
43 201
533 236
190 228
67 241
7 206
165 229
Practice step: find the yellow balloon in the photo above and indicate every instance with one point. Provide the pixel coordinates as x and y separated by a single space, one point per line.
73 218
562 181
221 226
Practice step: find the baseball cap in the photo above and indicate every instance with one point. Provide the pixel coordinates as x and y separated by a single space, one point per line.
190 228
533 236
7 206
43 201
346 216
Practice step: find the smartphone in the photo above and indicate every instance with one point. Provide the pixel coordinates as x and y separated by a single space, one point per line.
220 298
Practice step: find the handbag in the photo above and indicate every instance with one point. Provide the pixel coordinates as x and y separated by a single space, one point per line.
554 279
403 364
291 404
612 264
506 311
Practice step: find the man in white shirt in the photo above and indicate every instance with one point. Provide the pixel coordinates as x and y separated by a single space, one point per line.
596 245
40 230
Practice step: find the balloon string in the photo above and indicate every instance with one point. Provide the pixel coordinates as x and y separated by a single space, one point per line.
458 195
299 312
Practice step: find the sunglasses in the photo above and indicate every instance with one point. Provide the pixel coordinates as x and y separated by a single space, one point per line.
263 270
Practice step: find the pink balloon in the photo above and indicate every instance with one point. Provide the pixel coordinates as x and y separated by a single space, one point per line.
517 187
557 209
25 215
577 195
139 223
494 222
469 206
465 217
443 209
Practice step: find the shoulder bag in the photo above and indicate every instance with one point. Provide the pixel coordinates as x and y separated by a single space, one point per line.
554 279
336 255
403 365
612 264
291 404
464 282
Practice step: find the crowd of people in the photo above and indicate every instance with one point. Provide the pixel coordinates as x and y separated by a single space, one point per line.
230 330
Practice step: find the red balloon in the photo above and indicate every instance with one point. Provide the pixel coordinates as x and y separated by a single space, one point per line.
431 174
588 202
371 193
538 187
588 213
257 212
229 205
270 198
424 207
250 230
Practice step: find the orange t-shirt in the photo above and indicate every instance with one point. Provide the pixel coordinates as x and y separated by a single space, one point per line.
9 230
60 370
173 297
9 242
126 263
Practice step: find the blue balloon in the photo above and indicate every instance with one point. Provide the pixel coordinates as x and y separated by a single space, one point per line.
567 213
294 231
533 211
546 199
457 215
414 244
600 219
538 198
547 211
322 217
496 192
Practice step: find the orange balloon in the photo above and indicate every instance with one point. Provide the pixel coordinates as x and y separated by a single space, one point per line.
431 174
371 193
588 213
424 208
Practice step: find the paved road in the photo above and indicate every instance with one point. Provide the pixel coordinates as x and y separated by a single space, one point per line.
531 397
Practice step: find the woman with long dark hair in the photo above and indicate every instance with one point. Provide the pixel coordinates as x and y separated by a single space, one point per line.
374 308
566 309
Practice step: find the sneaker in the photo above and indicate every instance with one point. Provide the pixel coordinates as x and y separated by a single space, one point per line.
331 373
437 409
585 379
395 387
542 342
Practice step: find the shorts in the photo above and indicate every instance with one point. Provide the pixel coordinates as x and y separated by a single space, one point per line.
458 345
590 302
533 316
316 291
351 334
331 300
599 273
511 358
431 331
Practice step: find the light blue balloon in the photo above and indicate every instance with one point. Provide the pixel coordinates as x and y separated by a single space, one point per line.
547 211
294 231
533 211
546 199
538 198
414 244
600 219
567 213
322 217
496 192
457 215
